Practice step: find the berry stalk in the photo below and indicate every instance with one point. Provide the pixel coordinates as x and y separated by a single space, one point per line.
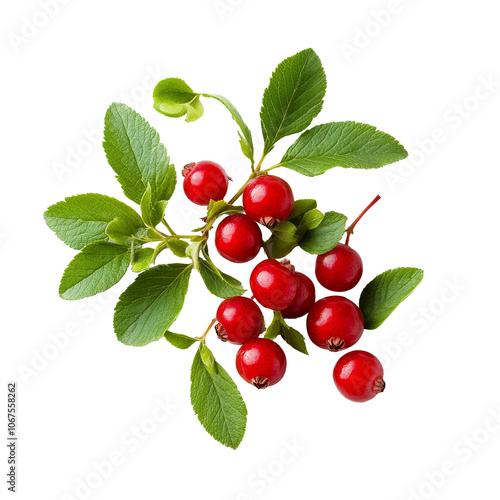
350 229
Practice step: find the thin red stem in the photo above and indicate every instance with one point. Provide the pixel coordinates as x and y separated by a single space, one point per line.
350 229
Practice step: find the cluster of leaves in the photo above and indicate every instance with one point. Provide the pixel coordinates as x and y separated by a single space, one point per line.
111 236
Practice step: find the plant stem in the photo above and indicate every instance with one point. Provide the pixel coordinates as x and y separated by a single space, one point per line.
350 229
202 338
170 230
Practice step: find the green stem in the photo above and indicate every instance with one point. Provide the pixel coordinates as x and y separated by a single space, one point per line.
170 230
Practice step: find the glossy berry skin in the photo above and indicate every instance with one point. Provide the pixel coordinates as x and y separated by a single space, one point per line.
273 285
238 238
358 376
268 200
335 323
205 181
340 269
239 320
304 298
261 362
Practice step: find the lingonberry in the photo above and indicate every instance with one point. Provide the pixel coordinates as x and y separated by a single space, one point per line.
304 298
268 200
358 376
261 362
238 238
274 284
339 269
239 320
205 181
335 323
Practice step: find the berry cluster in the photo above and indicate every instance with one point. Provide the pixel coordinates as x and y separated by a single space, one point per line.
334 323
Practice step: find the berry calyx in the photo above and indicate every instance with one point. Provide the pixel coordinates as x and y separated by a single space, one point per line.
274 284
358 376
335 323
205 181
239 320
238 238
268 199
340 269
304 298
261 362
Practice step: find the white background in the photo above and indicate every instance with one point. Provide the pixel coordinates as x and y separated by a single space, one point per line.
420 68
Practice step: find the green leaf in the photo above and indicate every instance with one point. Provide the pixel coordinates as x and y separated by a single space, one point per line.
342 144
218 403
383 294
96 268
274 329
293 98
142 259
135 153
152 213
324 237
277 249
220 284
312 219
150 305
83 219
174 97
286 231
295 339
292 337
300 207
246 141
208 359
121 231
177 247
179 340
193 251
216 208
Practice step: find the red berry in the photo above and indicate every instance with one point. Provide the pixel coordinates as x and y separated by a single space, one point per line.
335 323
238 238
205 181
304 298
339 269
240 319
274 284
268 199
358 376
261 362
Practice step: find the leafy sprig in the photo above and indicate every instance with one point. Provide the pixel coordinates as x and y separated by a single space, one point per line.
111 236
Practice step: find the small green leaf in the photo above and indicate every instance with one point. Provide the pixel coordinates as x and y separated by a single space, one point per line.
142 259
96 268
324 237
193 251
208 359
300 207
312 219
274 329
173 97
152 213
286 231
177 247
277 249
135 153
220 284
246 141
216 208
292 337
295 339
83 219
293 98
150 305
342 144
179 340
121 231
383 294
218 403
